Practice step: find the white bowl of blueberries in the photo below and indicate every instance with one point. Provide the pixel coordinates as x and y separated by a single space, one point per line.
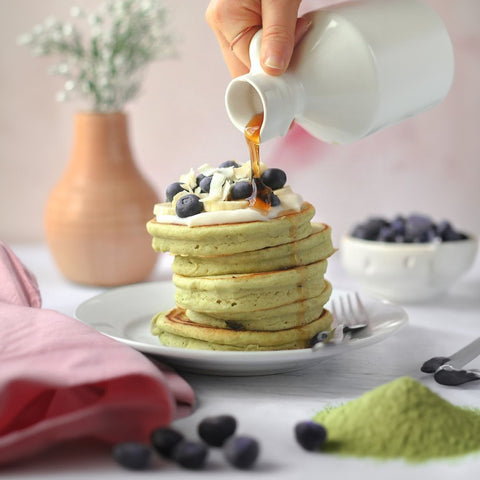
407 259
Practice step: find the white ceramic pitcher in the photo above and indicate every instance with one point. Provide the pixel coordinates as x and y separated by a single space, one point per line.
362 66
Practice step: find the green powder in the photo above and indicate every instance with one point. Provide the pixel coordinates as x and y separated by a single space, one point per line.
401 419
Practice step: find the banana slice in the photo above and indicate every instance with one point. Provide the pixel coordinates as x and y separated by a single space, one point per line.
164 209
216 206
227 205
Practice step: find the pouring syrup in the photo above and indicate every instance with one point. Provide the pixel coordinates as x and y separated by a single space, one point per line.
261 197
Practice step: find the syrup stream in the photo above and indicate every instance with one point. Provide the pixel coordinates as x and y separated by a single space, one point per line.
261 197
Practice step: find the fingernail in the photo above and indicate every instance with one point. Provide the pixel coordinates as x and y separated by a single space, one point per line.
276 62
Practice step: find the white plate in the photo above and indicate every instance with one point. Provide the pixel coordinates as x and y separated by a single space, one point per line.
124 313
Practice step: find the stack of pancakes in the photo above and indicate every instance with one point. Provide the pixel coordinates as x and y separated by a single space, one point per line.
246 286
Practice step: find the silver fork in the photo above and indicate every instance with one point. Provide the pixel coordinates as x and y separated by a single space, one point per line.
349 315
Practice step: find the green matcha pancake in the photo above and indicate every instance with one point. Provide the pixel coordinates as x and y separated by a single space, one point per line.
279 318
175 329
317 246
231 238
250 291
246 277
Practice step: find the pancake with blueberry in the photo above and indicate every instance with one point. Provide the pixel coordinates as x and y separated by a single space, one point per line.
241 270
254 233
175 329
282 317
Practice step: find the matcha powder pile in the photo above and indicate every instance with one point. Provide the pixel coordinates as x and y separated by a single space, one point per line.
401 419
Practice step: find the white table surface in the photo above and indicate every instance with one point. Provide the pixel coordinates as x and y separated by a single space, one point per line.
268 407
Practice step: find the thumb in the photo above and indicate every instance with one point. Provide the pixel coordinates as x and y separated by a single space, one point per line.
279 20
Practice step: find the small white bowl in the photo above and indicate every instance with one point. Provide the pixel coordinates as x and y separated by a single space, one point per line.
408 272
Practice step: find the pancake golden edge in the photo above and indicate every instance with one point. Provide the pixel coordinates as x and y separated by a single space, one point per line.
173 328
280 318
231 238
316 246
250 292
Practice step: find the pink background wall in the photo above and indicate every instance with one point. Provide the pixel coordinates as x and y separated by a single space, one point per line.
428 164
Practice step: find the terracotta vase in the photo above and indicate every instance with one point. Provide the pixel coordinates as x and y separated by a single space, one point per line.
96 215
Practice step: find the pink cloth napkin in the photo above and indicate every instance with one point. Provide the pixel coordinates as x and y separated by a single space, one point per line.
61 379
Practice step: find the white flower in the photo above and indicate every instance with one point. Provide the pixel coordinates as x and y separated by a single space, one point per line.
76 12
67 29
104 62
25 39
69 85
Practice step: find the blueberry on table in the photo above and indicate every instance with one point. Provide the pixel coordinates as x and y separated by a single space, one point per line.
204 183
188 205
310 435
229 163
241 451
191 455
165 439
132 455
274 178
215 430
172 190
240 190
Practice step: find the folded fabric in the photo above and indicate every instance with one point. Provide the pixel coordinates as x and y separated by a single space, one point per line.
61 379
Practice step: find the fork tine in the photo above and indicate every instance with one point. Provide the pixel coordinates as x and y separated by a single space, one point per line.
361 309
351 319
349 310
343 310
349 315
334 311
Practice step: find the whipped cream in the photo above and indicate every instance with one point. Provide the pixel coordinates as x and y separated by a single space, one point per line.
289 201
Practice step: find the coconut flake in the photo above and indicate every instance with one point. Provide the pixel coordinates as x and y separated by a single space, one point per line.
226 189
242 172
189 179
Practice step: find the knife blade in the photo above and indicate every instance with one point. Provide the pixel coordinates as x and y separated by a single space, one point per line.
465 354
456 360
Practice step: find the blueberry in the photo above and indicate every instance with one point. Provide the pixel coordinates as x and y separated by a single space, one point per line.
205 184
370 229
447 233
191 455
241 451
274 200
199 178
274 178
444 228
310 435
386 234
165 439
172 190
188 205
359 231
132 455
417 226
241 190
215 430
454 235
229 163
398 225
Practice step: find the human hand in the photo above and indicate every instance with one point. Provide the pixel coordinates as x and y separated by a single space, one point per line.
235 22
